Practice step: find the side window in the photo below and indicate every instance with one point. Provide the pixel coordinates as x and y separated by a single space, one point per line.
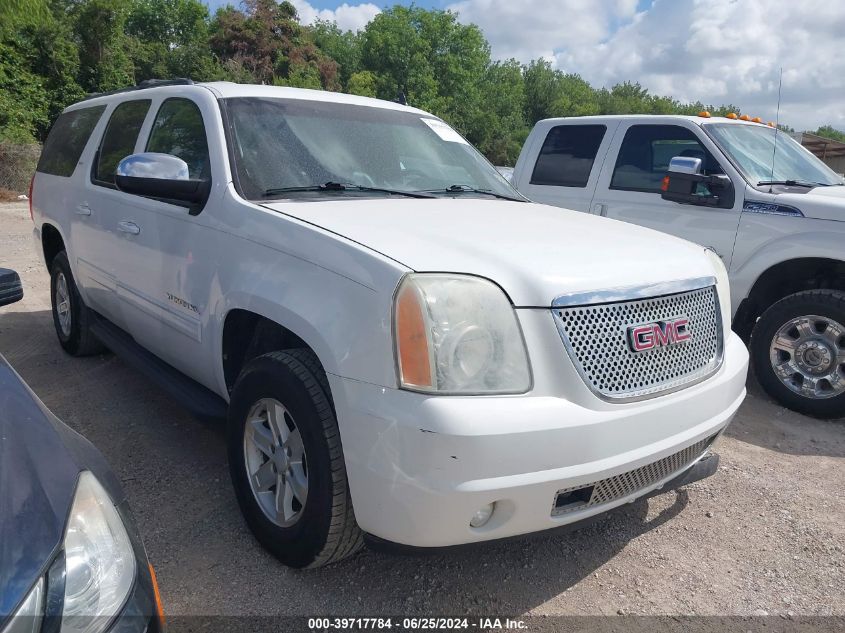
178 130
567 156
645 154
67 139
119 140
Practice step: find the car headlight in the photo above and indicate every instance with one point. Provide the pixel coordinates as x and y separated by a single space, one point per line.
458 334
99 561
723 287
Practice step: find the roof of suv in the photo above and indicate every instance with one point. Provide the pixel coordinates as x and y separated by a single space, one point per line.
698 120
228 89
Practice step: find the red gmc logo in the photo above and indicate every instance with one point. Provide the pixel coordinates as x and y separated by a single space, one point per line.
642 338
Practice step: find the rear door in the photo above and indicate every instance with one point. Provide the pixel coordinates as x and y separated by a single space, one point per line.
567 163
106 208
629 185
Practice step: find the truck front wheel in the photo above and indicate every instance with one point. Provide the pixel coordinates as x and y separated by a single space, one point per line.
798 347
286 461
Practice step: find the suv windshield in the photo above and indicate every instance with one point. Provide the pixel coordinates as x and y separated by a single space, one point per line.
751 147
280 146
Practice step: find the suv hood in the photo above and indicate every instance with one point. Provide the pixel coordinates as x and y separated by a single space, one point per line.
822 203
535 252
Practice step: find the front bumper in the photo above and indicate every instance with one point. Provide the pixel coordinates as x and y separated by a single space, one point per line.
420 466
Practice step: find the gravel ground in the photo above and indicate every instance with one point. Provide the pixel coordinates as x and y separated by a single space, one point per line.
764 535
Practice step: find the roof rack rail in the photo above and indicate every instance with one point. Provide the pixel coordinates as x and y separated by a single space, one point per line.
141 85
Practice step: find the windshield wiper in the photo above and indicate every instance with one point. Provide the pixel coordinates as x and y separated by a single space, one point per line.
792 183
343 186
469 189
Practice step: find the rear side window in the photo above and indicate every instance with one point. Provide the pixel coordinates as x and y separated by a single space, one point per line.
645 154
567 156
178 130
120 137
67 139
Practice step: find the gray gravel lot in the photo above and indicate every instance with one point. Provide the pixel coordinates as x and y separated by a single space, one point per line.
766 533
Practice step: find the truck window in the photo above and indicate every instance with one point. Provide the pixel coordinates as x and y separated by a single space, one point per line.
567 156
645 154
67 139
119 139
178 130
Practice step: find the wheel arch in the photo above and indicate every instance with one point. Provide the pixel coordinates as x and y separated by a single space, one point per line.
247 332
783 279
52 242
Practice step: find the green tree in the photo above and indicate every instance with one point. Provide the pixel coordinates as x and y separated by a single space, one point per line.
362 83
828 131
432 58
99 28
344 47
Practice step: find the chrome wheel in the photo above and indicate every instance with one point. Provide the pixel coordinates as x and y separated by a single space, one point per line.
808 356
62 301
275 461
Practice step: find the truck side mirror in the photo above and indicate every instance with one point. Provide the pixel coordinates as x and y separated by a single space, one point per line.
11 289
162 177
685 183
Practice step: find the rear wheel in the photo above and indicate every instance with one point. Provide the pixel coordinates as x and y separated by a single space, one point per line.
71 316
286 461
798 347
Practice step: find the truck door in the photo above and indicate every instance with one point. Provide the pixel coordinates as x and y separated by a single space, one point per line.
629 186
563 165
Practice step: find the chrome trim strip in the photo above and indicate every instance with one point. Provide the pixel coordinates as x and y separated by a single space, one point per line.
631 293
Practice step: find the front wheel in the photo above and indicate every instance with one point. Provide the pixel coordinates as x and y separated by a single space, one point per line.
286 461
798 347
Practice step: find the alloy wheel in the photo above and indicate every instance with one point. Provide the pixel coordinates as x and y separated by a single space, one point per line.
275 461
808 356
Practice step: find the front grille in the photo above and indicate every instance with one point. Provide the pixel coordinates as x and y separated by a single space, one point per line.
620 486
596 337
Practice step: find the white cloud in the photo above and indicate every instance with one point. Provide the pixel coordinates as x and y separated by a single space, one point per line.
716 51
352 17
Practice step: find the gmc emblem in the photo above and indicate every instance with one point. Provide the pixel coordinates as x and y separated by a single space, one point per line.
642 338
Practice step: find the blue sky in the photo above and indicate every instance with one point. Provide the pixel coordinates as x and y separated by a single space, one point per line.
715 51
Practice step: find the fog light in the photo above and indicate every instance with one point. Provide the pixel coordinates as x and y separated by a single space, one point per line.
482 515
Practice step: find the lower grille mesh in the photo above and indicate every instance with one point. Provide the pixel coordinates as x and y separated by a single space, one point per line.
624 484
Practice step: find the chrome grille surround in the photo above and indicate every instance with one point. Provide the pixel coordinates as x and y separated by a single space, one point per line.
625 484
593 327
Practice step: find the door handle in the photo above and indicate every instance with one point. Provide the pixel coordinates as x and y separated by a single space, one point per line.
600 209
129 227
83 209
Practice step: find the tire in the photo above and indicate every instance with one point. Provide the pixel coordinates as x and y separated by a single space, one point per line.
322 530
71 317
804 336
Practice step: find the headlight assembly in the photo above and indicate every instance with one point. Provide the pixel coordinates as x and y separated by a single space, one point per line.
458 334
99 561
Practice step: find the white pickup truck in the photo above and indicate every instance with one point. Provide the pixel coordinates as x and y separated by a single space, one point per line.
772 211
405 346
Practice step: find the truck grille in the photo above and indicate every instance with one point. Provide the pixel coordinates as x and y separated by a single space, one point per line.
597 339
620 486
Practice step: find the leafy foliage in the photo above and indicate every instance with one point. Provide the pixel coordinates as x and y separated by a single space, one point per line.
828 131
52 52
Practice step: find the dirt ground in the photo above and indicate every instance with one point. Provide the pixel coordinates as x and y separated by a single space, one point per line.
765 535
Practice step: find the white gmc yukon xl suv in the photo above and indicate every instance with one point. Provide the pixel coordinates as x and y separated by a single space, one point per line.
406 347
772 211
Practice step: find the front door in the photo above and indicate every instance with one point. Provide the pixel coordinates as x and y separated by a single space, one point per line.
629 187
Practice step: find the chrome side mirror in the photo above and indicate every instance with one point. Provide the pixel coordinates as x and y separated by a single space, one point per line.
685 165
153 165
162 177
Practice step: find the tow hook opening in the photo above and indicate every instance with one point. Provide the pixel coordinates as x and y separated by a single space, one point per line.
572 499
